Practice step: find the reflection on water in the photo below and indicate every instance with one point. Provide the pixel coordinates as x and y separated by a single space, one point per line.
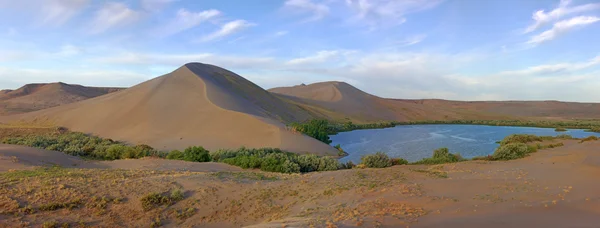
414 142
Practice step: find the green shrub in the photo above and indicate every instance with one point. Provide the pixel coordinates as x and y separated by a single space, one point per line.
589 138
196 154
347 165
521 138
594 129
153 200
399 161
560 129
175 155
511 151
316 128
564 136
377 160
441 156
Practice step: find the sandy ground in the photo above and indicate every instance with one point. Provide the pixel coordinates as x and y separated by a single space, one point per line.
14 157
196 105
551 188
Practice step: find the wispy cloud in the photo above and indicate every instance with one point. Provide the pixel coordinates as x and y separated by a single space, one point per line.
228 29
317 11
111 15
562 27
57 12
185 20
154 5
378 13
542 18
412 40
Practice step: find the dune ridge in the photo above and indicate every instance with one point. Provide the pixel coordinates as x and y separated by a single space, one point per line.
33 97
193 105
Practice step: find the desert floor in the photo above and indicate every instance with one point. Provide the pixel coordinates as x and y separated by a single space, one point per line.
557 187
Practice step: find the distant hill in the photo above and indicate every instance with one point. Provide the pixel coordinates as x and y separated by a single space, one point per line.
339 101
33 97
195 105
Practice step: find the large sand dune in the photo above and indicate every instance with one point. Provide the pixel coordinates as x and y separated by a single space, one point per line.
340 100
197 104
33 97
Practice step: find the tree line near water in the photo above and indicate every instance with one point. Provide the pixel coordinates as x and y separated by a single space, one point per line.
266 159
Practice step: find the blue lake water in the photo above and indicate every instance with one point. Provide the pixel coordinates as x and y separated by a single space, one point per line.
414 142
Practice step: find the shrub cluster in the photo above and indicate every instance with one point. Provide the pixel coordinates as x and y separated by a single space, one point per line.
512 151
589 138
192 154
153 200
521 138
316 128
79 144
441 156
594 129
276 160
380 160
560 129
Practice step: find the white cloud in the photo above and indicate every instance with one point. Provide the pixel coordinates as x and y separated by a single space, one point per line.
378 13
319 58
57 12
113 14
69 50
562 27
185 20
176 60
228 29
316 10
412 40
542 18
154 5
281 33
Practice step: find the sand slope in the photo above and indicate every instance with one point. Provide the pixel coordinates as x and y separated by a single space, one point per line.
197 104
33 97
340 100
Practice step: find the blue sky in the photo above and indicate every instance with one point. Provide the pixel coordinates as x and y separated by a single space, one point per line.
450 49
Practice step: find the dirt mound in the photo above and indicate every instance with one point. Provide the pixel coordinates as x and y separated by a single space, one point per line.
33 97
197 104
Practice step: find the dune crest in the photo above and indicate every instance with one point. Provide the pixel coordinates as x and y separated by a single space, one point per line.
33 97
197 104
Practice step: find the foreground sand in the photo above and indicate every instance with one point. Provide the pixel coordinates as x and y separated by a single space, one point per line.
552 188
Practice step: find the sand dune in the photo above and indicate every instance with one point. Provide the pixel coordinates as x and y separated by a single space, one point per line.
340 100
197 104
33 97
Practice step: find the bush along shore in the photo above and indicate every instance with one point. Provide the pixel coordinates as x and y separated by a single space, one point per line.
265 159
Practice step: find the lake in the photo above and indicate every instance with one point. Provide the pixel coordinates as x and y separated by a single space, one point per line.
414 142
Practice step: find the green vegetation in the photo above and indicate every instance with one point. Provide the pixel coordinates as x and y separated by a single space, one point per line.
574 124
377 160
512 151
560 129
441 156
79 144
594 129
590 138
275 160
155 199
316 128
